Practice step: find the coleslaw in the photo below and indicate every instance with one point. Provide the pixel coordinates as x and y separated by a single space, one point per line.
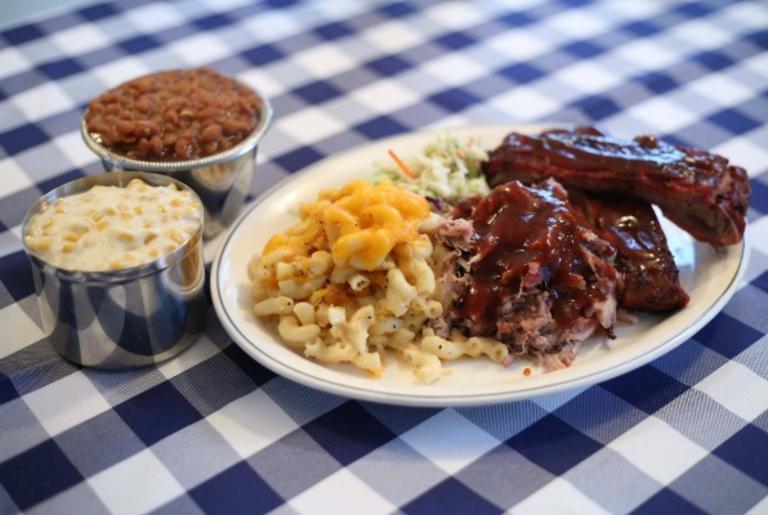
447 170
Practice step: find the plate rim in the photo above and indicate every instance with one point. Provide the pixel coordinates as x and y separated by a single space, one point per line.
437 400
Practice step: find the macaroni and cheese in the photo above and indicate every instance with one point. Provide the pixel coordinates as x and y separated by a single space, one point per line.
356 276
111 227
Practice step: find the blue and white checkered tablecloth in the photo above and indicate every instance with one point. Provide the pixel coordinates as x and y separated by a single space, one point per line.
213 431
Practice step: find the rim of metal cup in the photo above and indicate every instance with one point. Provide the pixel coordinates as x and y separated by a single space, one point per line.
245 146
119 178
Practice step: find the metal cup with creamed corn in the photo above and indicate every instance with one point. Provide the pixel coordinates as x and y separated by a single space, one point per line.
118 268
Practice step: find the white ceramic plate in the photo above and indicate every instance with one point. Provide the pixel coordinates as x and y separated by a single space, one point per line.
709 276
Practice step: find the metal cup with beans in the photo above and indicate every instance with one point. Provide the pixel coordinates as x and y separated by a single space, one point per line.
196 125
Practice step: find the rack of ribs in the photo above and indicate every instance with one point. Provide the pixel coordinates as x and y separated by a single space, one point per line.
699 191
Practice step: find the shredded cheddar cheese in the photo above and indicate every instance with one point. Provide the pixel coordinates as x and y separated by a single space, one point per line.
359 224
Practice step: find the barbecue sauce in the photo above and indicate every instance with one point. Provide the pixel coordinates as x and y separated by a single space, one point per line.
530 236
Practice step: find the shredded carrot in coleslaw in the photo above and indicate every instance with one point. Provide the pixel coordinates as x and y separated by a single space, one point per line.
400 164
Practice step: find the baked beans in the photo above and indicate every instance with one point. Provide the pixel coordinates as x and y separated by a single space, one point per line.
173 115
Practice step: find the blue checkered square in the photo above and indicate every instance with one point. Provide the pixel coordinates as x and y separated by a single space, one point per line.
139 44
317 92
22 34
667 501
348 432
239 489
333 31
727 335
747 450
157 413
450 497
262 55
61 68
646 388
388 65
22 138
22 479
534 443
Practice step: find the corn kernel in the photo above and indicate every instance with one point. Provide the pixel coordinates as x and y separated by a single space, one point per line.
68 247
70 236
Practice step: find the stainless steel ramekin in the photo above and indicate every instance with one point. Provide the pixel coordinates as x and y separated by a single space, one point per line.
123 318
221 180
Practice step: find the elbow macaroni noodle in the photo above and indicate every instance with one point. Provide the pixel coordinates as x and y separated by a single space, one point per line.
355 277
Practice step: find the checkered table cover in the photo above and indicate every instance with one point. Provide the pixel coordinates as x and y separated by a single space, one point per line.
213 431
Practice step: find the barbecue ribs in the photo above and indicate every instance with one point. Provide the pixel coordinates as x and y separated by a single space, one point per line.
699 191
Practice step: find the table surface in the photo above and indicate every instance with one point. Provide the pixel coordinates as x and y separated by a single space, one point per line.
213 431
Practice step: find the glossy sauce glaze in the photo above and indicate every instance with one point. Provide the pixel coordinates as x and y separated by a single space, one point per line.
529 237
651 278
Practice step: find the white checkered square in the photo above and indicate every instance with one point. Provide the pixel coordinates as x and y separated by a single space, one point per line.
456 15
66 403
200 49
755 229
72 146
42 101
721 90
384 96
203 349
658 450
121 70
323 61
524 104
558 496
449 440
12 62
154 17
455 70
251 423
15 321
14 177
717 34
665 115
577 23
518 45
588 77
392 37
80 39
747 153
351 493
281 24
136 485
747 15
310 125
728 384
646 54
